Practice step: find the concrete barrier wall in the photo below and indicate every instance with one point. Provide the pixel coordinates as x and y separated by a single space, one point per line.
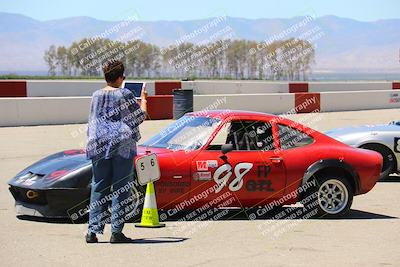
235 87
43 110
359 100
66 110
166 87
45 88
302 102
348 86
60 108
268 103
13 88
264 87
61 88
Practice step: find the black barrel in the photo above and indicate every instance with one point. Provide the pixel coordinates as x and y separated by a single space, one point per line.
183 102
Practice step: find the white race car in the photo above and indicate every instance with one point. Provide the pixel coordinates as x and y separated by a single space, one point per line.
384 138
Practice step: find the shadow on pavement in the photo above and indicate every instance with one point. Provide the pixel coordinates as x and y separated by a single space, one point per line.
362 215
159 240
152 240
44 220
279 213
391 179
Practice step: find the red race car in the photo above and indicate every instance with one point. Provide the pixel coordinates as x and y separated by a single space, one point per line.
220 159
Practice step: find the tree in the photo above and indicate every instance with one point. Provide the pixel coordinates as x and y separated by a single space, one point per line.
62 61
289 59
50 57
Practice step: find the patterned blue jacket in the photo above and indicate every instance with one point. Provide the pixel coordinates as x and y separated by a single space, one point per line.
113 126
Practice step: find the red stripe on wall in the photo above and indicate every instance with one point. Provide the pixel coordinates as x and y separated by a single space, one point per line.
165 88
307 102
298 87
13 89
396 85
160 107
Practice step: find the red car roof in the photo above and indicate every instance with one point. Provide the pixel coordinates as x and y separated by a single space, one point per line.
223 114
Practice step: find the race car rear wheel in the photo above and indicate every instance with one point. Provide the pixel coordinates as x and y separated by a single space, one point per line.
388 159
333 195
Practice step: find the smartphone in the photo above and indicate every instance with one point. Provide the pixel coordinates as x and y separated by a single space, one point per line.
143 87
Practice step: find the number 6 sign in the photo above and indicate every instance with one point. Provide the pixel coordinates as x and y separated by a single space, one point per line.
147 169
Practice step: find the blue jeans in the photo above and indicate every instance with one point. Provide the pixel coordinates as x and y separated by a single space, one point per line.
112 181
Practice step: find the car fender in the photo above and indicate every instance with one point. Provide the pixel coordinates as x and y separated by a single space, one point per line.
335 163
385 143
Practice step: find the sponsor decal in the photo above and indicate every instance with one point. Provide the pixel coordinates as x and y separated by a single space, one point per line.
394 98
202 165
259 185
30 181
224 173
173 184
57 174
203 176
74 151
27 179
262 183
23 178
212 163
173 187
397 144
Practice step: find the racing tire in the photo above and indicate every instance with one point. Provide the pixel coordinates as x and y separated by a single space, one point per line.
332 197
388 166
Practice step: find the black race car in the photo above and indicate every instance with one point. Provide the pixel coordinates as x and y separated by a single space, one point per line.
57 186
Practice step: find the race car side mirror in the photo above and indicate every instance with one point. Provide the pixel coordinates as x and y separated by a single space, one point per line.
225 148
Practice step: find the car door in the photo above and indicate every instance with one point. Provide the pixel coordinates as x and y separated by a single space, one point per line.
249 175
297 152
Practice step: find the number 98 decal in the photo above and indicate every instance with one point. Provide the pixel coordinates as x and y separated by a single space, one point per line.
239 171
397 144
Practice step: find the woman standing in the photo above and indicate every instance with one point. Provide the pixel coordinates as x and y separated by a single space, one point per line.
113 131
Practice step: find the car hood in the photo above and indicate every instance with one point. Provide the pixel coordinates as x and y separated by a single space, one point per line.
364 129
54 171
142 150
352 135
66 169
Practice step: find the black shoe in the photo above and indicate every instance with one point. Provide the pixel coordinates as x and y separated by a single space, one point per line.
119 238
91 238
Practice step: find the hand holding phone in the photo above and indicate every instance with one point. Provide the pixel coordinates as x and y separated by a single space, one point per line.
143 95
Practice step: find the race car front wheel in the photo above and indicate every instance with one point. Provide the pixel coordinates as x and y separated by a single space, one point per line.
333 196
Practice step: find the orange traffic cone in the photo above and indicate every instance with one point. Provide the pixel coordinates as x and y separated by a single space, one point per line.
150 212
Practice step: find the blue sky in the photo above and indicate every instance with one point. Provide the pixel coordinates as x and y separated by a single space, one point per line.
364 10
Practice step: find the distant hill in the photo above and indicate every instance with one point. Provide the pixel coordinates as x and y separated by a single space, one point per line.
346 44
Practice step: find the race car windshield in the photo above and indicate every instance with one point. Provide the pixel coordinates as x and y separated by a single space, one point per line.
187 133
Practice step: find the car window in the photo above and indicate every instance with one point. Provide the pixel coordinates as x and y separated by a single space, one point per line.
187 133
292 138
244 136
